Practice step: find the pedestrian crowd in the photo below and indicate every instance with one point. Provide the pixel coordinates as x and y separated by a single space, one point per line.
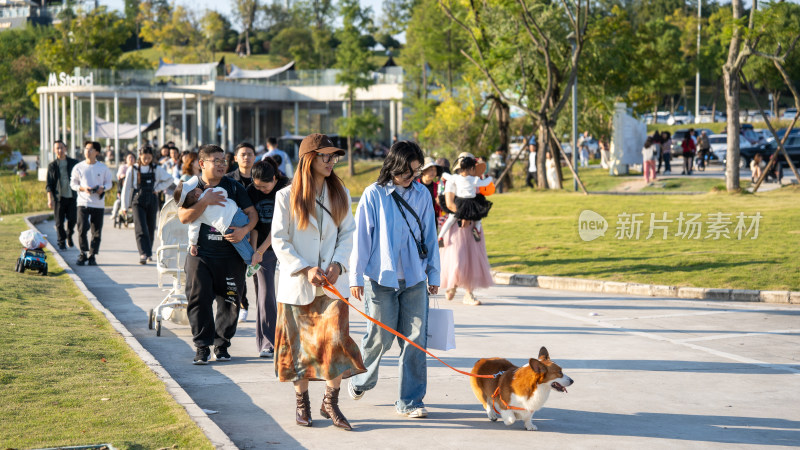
415 230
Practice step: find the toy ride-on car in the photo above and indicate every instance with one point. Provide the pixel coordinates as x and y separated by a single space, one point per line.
32 259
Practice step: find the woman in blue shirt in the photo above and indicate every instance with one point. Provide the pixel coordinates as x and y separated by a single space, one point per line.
395 265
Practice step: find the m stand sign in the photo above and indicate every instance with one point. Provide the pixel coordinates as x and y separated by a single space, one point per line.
64 79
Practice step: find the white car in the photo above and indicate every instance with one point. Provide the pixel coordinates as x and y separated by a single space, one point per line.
706 117
661 117
680 118
719 146
789 113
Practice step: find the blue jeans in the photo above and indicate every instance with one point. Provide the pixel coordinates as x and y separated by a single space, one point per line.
405 310
243 247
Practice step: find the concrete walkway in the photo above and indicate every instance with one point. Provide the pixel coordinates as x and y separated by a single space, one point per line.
649 372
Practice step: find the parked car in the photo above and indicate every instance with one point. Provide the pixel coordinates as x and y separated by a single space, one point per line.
792 147
661 117
680 118
706 117
677 139
719 146
788 113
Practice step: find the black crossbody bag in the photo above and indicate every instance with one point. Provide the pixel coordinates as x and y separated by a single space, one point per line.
422 249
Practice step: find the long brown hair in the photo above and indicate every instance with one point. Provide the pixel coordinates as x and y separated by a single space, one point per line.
191 157
303 195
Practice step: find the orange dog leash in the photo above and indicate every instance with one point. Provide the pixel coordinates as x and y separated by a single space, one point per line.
497 395
332 289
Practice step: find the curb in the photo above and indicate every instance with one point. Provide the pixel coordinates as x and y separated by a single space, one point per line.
646 290
212 431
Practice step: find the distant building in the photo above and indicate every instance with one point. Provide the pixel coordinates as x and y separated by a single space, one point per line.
17 13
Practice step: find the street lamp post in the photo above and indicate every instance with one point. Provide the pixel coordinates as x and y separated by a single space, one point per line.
697 75
571 38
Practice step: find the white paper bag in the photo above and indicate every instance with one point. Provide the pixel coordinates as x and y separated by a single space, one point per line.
441 329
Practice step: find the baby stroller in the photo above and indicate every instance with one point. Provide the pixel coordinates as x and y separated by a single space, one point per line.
121 218
171 254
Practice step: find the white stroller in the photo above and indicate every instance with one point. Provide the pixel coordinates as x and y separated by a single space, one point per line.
171 254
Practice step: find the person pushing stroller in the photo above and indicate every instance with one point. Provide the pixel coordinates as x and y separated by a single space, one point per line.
219 217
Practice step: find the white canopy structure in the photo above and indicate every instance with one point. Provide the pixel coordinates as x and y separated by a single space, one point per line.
239 74
105 129
185 70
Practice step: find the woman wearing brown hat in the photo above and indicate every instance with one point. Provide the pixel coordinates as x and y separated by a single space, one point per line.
312 235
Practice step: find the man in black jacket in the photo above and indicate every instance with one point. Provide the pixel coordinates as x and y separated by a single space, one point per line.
60 196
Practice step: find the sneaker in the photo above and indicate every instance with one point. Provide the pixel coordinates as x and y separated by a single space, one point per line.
416 413
142 259
61 246
70 242
201 357
92 261
267 353
221 354
450 294
81 259
476 234
242 315
251 270
149 259
355 394
470 299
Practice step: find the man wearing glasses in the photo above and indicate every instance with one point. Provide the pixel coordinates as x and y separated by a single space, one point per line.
217 272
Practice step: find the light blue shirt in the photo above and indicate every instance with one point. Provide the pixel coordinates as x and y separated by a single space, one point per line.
286 162
383 240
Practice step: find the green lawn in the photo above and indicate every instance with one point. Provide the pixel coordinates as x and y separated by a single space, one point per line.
537 233
67 377
667 184
19 195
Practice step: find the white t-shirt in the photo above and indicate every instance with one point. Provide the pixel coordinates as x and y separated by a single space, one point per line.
532 162
649 153
464 186
219 217
90 176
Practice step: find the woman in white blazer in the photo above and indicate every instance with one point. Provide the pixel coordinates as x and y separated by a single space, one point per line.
312 235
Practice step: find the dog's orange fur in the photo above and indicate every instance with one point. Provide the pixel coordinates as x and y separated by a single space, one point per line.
522 381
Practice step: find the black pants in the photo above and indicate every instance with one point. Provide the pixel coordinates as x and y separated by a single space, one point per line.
145 211
267 308
497 183
207 280
529 176
90 218
65 209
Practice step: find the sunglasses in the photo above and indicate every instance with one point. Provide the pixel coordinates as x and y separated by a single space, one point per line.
329 157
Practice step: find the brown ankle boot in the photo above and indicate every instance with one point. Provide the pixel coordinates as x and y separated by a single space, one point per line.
330 409
303 414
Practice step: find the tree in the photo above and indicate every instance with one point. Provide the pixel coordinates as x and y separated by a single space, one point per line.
396 16
430 59
245 11
660 65
216 28
730 75
92 39
527 52
353 59
20 73
172 31
295 43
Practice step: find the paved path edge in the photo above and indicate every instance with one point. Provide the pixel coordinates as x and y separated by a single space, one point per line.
212 431
647 290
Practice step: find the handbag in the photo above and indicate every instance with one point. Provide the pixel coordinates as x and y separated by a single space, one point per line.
441 329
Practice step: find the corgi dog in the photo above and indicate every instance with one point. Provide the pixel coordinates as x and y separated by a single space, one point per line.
517 392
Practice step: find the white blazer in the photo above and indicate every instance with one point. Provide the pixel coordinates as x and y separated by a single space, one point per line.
297 249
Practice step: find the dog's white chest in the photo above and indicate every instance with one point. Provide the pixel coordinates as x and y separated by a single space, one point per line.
534 402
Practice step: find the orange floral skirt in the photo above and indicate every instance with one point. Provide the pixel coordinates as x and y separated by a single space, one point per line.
312 342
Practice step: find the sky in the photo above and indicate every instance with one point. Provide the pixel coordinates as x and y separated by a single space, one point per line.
225 6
